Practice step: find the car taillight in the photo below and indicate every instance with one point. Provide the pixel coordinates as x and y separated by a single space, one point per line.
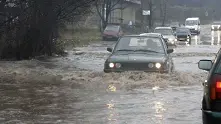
216 87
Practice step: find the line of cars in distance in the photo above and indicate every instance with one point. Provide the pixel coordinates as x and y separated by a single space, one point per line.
176 32
173 34
172 37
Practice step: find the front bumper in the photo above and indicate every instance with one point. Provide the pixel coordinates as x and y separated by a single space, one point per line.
194 31
126 70
171 43
183 38
215 28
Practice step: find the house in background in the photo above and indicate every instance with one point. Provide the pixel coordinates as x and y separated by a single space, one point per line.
131 12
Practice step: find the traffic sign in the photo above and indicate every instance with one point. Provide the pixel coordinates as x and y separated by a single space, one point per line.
146 12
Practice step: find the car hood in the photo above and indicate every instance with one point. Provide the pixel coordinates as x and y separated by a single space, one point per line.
169 36
191 27
181 33
137 57
110 33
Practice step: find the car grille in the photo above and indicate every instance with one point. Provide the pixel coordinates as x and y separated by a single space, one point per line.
181 36
215 27
137 66
191 30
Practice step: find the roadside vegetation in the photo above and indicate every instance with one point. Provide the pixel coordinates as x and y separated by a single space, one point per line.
79 36
30 28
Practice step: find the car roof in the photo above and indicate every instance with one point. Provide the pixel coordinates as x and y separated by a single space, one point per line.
163 28
151 34
193 18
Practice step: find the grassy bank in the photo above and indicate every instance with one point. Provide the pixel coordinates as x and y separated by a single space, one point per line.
80 37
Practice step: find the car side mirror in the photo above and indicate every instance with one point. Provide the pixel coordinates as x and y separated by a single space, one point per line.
169 51
166 40
109 49
205 65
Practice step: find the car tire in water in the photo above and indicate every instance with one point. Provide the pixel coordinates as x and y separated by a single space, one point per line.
104 39
105 71
206 117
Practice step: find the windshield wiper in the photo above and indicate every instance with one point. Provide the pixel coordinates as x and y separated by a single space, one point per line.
143 50
125 50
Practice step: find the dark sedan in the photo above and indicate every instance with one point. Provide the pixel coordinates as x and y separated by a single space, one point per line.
112 32
139 53
183 34
211 102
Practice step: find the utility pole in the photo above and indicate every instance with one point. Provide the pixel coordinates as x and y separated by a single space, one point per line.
146 6
142 15
150 15
121 12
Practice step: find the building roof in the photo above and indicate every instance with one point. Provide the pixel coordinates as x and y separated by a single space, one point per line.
193 18
134 1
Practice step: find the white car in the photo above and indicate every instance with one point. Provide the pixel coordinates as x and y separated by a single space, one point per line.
216 26
167 33
193 24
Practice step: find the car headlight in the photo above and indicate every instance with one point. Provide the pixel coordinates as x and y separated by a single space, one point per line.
150 65
170 39
195 28
117 65
158 65
111 65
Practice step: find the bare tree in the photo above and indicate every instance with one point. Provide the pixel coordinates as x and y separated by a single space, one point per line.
163 11
29 27
105 7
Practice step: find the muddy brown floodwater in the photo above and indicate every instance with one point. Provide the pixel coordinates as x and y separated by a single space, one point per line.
74 90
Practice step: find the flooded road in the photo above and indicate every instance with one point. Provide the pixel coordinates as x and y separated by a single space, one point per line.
74 89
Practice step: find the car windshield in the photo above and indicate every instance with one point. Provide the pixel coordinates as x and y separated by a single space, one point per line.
112 28
182 30
164 31
191 22
146 44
